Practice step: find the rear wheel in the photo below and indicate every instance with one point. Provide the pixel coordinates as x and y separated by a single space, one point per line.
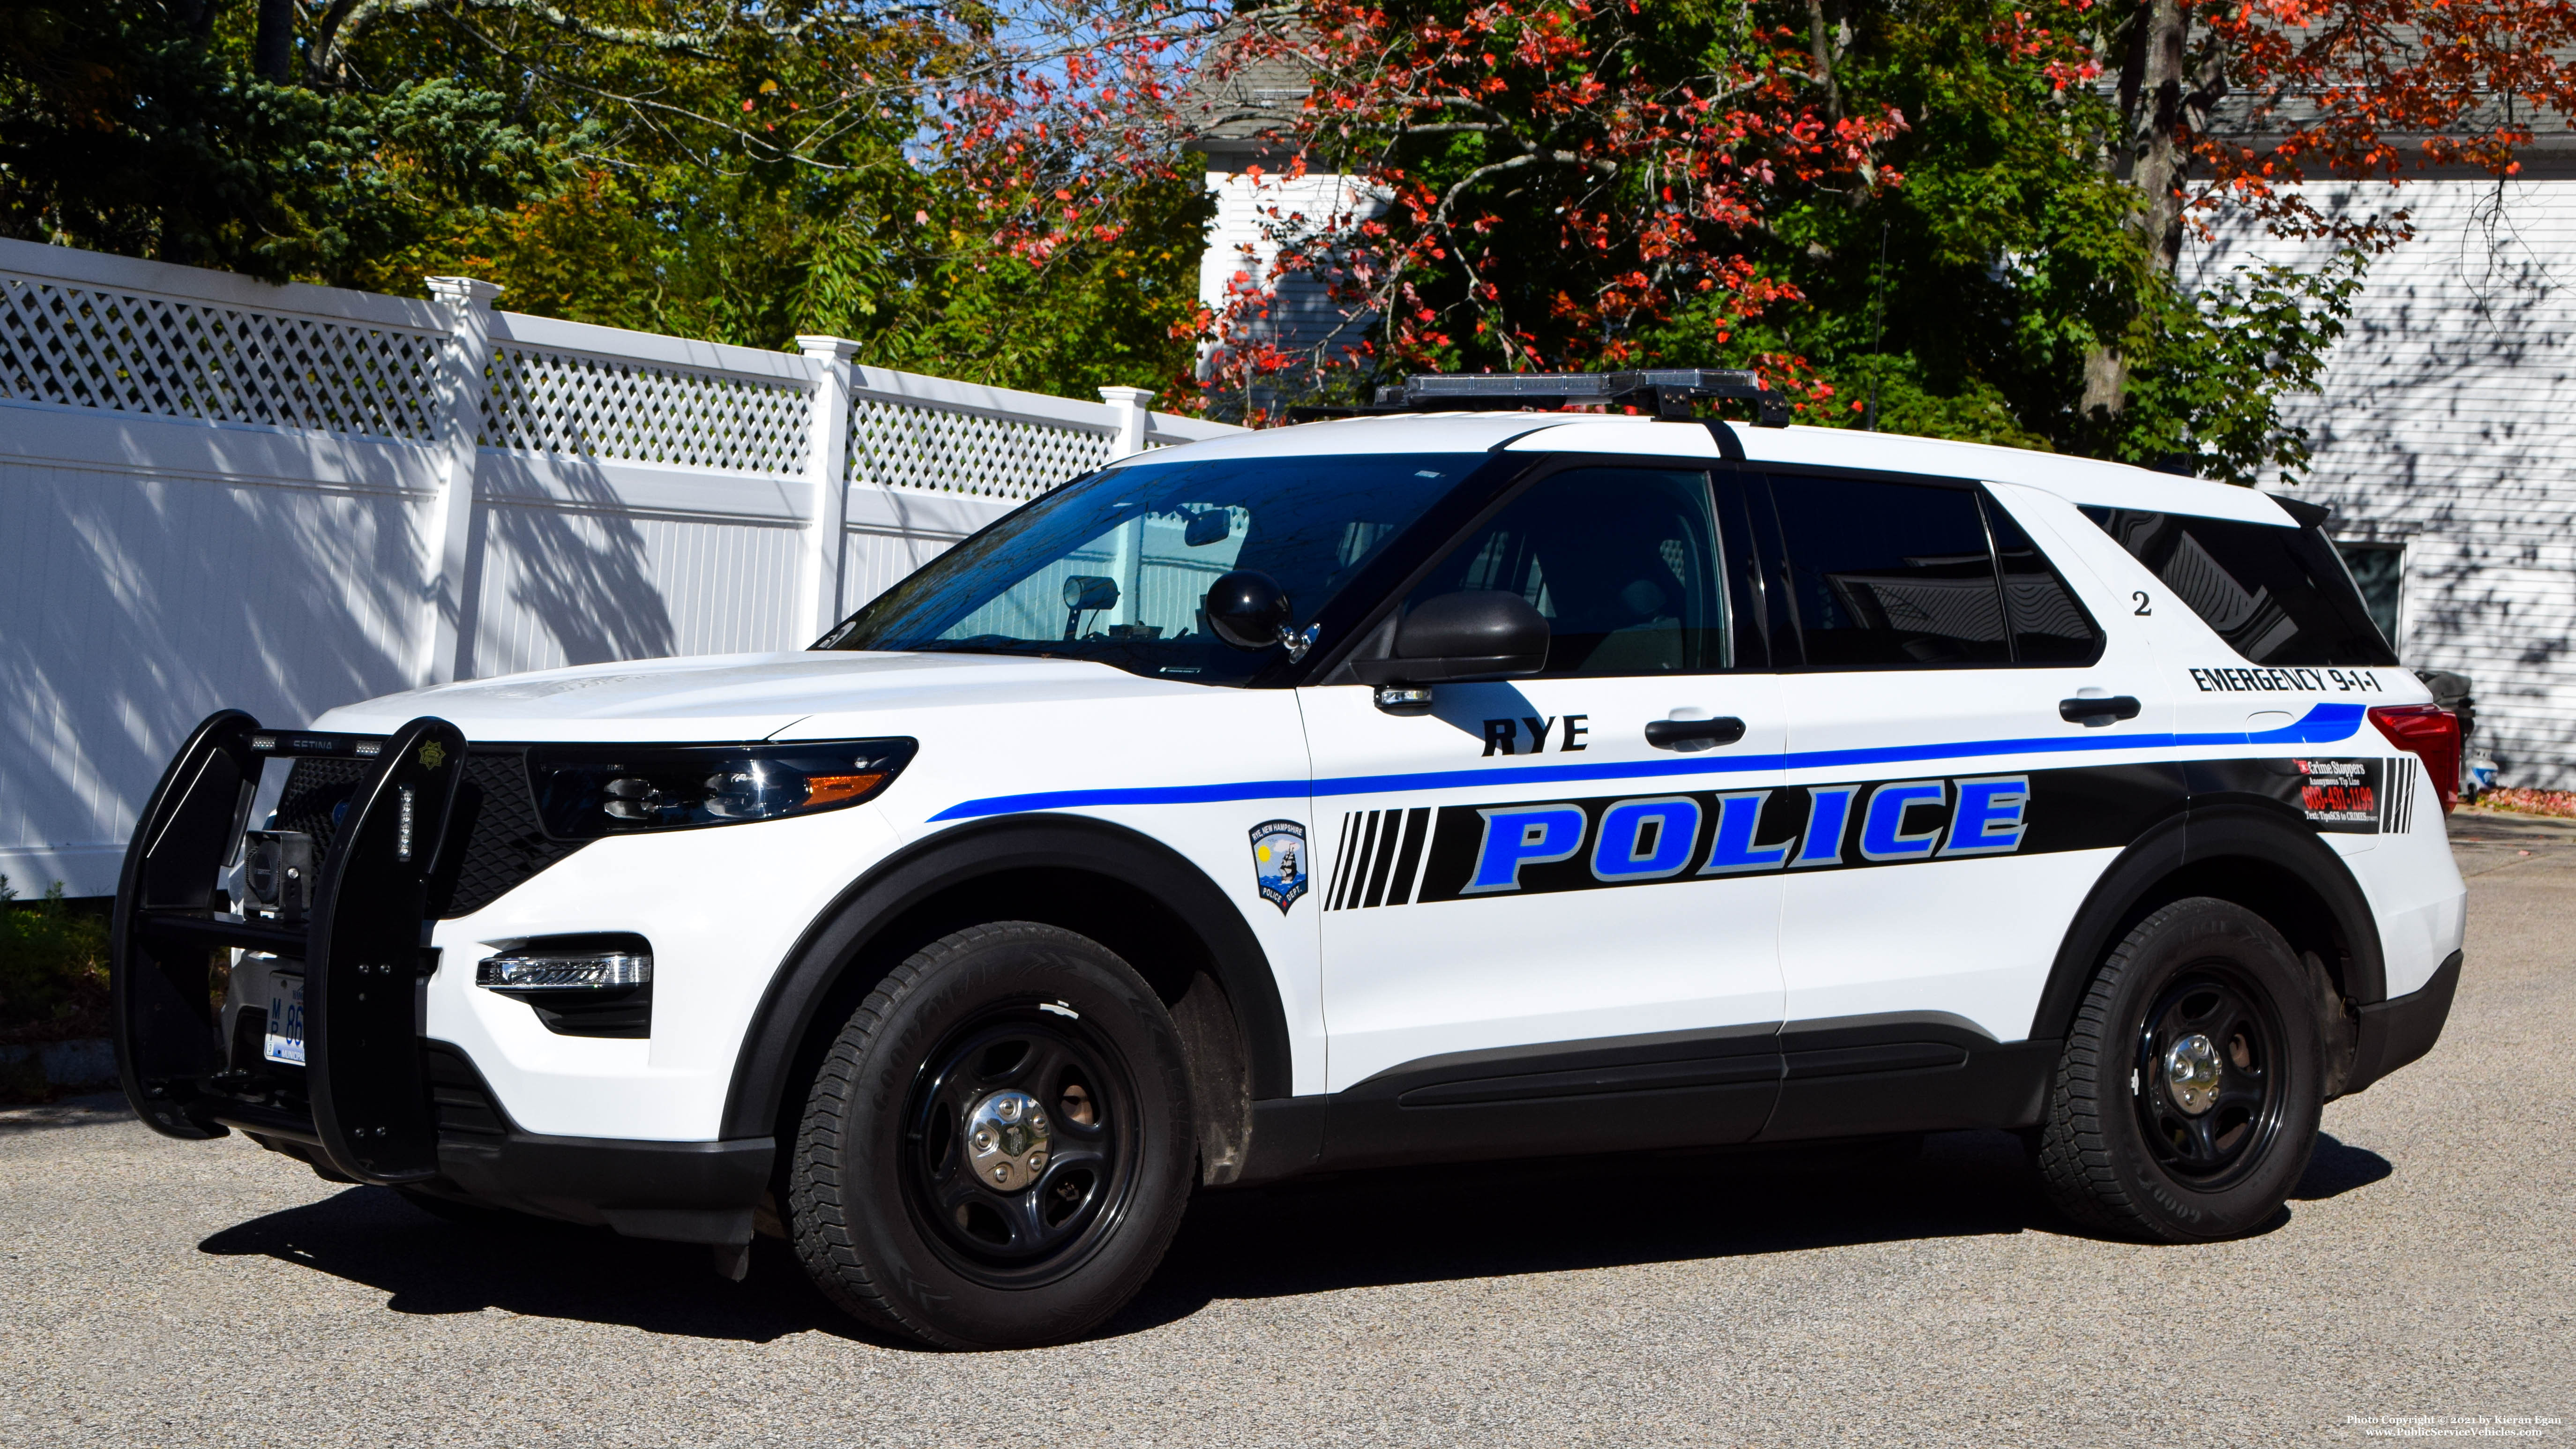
998 1146
2187 1100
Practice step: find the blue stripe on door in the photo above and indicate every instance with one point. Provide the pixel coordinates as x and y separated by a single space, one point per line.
2323 724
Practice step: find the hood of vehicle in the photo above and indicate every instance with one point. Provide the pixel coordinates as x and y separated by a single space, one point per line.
720 697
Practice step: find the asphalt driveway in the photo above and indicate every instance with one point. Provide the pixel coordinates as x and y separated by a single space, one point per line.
156 1292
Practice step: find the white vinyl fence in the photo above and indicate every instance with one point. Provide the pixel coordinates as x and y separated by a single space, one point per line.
215 492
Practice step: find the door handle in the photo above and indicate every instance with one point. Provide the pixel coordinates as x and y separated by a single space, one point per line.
2098 711
1667 734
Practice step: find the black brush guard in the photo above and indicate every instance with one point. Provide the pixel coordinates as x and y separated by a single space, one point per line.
365 1108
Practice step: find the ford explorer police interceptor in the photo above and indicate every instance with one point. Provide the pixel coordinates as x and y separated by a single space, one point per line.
1467 780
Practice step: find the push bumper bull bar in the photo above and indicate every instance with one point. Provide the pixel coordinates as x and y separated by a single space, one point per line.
367 1103
364 1106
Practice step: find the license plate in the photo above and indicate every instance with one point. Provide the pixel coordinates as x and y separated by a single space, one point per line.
285 1041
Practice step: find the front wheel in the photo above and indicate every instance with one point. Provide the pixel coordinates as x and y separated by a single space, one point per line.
2187 1099
997 1149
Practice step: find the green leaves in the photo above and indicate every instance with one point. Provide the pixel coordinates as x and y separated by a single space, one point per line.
53 967
2210 370
736 172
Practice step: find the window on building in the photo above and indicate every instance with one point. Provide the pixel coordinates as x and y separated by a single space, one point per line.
2379 571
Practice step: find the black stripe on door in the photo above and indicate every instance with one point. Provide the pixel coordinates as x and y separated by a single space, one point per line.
1379 859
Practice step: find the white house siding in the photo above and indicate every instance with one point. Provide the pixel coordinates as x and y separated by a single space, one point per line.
2447 424
1252 213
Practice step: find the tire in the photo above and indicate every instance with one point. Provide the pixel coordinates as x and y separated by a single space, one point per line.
1085 1117
2186 1102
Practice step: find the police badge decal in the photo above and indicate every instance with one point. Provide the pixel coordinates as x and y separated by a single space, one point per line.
1279 861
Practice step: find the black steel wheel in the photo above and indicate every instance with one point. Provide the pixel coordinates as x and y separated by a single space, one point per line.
998 1145
2187 1097
2212 1076
1020 1144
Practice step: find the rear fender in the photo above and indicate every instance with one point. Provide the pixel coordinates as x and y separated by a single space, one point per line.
2258 855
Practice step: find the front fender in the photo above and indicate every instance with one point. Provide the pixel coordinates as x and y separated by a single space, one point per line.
842 935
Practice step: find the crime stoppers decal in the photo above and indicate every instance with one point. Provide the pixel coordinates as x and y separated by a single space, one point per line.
2340 792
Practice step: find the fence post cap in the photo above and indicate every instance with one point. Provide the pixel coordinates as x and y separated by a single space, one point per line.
464 291
818 345
1130 397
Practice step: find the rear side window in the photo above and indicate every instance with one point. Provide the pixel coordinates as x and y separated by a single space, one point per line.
2048 626
2279 596
1905 575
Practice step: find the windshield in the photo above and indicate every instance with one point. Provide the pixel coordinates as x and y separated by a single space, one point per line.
1114 568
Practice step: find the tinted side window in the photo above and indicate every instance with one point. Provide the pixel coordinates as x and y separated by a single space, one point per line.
1890 574
2048 625
1622 562
2277 595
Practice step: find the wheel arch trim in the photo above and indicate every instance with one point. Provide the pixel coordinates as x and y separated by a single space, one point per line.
859 917
2198 836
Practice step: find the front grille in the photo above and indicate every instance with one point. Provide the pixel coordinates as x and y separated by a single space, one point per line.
495 811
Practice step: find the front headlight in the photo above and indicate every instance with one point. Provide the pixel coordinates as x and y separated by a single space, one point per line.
587 791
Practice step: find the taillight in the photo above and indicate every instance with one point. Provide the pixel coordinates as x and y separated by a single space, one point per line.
2432 734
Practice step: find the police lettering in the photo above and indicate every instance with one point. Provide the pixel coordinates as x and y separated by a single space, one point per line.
1661 837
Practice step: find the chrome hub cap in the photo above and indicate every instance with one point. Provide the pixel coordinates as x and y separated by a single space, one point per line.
2192 1074
1007 1140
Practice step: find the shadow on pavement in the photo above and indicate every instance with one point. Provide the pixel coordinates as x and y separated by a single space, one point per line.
2337 1168
1350 1231
540 1269
1430 1224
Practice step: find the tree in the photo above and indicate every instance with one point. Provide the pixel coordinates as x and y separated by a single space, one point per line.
131 126
737 170
1953 217
2228 105
1544 184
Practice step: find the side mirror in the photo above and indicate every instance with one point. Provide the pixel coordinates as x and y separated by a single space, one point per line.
1247 609
1479 634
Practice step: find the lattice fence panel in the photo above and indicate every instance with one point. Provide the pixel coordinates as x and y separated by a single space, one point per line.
953 452
102 348
551 402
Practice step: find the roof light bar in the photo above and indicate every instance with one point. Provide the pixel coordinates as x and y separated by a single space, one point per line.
1669 391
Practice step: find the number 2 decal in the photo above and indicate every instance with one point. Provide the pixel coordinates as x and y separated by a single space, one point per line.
2142 609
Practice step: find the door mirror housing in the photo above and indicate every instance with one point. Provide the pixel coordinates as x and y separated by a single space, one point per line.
1477 634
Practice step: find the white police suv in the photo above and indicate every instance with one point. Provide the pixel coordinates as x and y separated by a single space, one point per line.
1455 782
